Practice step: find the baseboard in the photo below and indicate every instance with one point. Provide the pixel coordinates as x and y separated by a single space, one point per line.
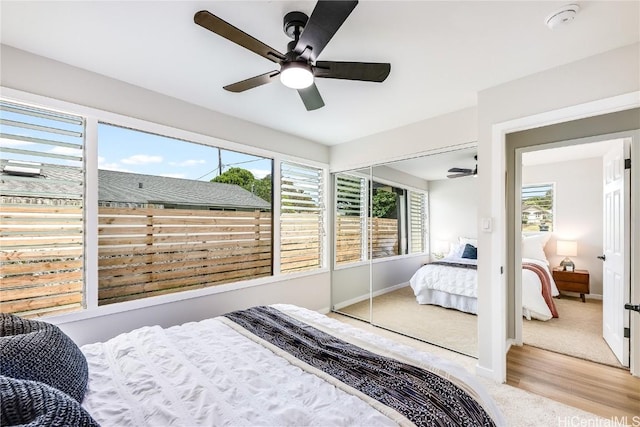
366 296
483 372
587 296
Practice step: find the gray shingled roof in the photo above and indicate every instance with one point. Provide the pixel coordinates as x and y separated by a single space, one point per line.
125 187
134 188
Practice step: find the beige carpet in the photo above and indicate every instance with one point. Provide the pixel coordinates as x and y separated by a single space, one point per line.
520 408
399 311
577 332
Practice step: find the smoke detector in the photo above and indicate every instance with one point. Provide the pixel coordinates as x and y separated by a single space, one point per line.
562 16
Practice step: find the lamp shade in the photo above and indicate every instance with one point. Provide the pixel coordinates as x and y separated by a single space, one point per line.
567 248
296 75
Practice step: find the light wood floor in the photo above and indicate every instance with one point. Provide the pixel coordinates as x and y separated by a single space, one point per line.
603 390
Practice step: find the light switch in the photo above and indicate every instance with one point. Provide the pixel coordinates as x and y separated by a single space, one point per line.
485 225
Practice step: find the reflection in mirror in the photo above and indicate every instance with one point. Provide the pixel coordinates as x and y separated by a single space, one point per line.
415 216
350 281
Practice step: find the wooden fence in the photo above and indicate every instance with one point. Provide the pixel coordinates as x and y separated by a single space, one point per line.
41 248
141 252
145 252
383 238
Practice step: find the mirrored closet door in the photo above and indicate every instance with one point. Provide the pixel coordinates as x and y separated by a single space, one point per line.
414 215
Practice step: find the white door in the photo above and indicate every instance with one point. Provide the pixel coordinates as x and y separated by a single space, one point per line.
615 281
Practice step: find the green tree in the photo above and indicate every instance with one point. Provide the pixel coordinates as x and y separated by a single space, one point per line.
237 176
246 180
384 204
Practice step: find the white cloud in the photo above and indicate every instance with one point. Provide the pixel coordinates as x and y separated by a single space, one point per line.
112 167
260 173
190 162
141 159
6 142
66 151
103 164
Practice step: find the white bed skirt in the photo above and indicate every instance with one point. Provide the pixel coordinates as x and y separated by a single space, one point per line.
444 299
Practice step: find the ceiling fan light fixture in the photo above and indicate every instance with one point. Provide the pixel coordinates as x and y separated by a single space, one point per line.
296 75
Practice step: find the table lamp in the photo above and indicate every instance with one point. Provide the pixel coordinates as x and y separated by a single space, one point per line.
567 248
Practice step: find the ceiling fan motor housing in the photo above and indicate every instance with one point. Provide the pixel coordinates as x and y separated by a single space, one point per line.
294 22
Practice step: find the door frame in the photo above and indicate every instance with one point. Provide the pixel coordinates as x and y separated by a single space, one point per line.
500 319
634 135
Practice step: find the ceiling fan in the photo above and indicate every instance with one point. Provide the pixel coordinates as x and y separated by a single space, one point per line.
299 66
460 172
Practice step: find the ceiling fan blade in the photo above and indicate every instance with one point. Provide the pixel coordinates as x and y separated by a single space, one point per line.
363 71
460 170
460 175
325 20
212 23
311 97
253 82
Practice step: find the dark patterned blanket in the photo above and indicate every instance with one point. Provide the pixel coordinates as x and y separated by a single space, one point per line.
455 264
423 397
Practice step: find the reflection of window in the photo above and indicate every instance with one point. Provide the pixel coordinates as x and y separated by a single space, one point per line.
42 205
387 221
175 215
538 207
350 221
388 231
417 222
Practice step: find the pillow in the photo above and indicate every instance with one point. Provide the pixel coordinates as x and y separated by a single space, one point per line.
533 247
470 252
39 351
31 403
455 250
467 240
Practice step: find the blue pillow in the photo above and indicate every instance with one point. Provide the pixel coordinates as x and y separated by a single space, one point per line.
470 252
39 351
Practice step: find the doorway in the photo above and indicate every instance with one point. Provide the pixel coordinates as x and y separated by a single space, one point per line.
561 199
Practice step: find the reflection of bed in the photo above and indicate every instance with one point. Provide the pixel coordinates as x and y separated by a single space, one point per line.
452 283
269 365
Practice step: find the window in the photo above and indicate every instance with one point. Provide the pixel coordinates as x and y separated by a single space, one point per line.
175 215
301 217
392 221
538 206
417 222
42 205
387 226
351 220
165 214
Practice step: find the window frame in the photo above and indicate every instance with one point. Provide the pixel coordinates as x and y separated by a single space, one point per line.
551 185
365 230
92 117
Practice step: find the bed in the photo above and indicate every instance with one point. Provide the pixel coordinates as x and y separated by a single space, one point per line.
268 365
451 282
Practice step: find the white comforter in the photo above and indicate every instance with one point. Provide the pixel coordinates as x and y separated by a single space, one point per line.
206 373
464 282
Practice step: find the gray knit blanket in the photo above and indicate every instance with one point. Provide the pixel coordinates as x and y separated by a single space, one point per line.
31 404
39 351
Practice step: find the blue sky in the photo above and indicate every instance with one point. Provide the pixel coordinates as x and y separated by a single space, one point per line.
122 149
128 150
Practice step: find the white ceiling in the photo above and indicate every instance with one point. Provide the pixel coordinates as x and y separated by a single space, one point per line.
441 53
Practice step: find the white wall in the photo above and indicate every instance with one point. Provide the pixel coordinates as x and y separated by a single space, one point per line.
459 127
453 209
598 77
44 77
578 211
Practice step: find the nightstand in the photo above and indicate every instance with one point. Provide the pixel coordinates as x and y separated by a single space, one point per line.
572 281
